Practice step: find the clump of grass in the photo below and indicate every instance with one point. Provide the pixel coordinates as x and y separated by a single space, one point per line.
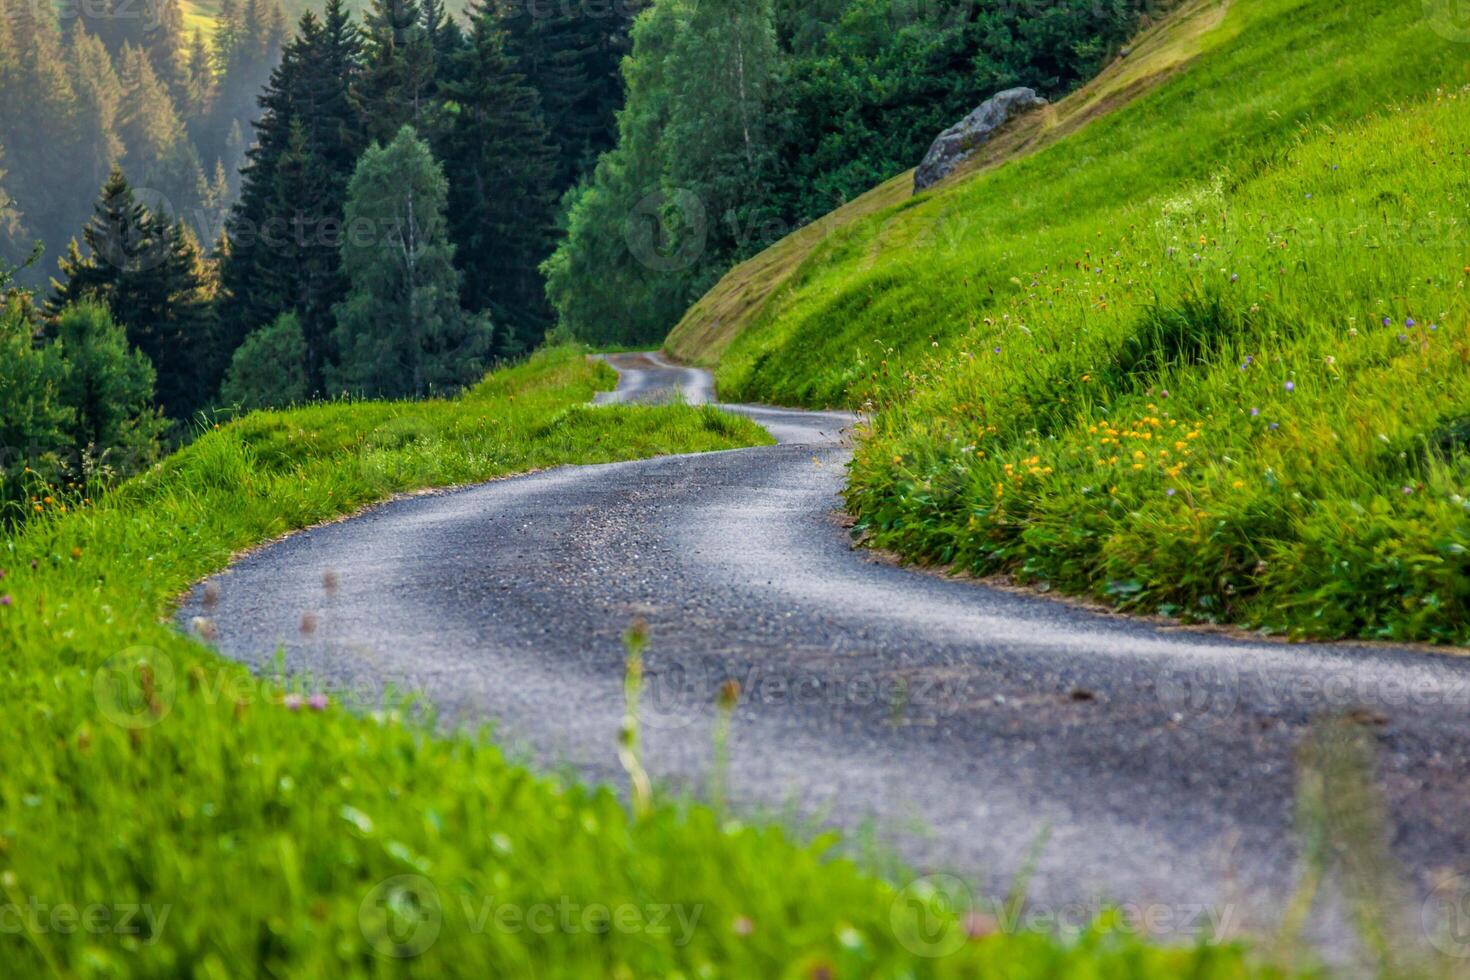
1204 357
165 813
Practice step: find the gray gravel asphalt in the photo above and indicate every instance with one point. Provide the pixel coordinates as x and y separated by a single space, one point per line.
949 722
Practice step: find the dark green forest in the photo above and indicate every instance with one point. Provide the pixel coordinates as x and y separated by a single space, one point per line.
384 207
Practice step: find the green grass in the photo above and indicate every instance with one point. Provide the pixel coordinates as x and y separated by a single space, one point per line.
1304 178
164 813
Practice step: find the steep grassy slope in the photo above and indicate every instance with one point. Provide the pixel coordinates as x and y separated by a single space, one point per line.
709 326
1206 354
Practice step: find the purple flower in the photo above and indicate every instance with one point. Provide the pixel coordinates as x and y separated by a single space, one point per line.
292 702
4 600
1274 426
1255 412
1164 393
1432 326
1291 386
1234 277
1403 338
1169 492
997 350
1387 322
1408 490
317 702
1409 323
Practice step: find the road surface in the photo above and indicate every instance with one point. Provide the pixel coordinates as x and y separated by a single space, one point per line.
945 722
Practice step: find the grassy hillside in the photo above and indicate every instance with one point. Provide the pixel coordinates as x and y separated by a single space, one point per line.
1206 354
164 813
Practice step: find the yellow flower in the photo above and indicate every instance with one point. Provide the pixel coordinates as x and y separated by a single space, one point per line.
1238 484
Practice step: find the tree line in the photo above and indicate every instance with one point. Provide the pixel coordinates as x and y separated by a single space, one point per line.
747 119
395 202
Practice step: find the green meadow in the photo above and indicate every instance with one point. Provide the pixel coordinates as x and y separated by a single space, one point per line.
1205 356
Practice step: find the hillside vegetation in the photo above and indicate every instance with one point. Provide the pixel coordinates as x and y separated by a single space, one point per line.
1205 355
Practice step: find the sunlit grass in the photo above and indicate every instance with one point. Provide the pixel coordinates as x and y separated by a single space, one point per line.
164 813
1206 356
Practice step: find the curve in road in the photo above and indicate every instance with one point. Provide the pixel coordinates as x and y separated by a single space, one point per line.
956 721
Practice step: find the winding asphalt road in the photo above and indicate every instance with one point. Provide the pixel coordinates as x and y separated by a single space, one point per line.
945 721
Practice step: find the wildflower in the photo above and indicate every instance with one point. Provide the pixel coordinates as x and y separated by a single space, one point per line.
1169 492
292 702
997 350
1387 322
317 702
1410 323
1249 360
1352 331
5 600
1235 277
1408 490
1274 426
742 926
1238 484
1255 412
1291 386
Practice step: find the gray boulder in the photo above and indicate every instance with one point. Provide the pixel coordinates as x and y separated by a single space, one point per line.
957 143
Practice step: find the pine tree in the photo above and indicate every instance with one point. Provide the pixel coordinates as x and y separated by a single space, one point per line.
398 77
401 331
570 56
109 390
99 100
39 98
149 125
501 169
199 80
148 271
284 253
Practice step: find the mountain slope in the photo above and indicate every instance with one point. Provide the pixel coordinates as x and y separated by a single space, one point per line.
1205 354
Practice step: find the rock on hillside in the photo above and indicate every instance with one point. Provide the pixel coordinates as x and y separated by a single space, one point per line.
956 143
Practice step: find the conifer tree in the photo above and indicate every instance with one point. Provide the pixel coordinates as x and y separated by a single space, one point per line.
501 169
400 330
109 389
99 103
285 230
398 75
148 271
149 124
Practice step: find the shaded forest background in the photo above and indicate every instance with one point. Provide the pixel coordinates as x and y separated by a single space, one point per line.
244 210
